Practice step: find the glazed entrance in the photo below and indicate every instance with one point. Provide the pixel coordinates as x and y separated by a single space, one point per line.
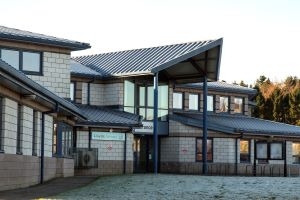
143 154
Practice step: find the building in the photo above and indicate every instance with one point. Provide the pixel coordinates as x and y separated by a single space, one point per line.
140 110
236 142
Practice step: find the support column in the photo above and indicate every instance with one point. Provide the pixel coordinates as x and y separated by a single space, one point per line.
155 125
204 139
285 160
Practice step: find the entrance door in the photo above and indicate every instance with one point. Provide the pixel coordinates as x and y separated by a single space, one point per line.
142 154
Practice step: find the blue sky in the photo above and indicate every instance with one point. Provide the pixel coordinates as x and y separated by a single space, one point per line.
261 37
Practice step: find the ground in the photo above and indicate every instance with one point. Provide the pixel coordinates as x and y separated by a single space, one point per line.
163 186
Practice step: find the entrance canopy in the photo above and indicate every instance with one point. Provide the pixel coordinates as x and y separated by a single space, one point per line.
178 61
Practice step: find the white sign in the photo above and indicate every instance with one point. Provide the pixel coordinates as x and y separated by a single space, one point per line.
147 128
108 136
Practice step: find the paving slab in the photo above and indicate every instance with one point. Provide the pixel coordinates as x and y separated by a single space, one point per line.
49 188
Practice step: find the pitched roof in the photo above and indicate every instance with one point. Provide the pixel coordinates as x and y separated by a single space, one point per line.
220 87
82 70
238 124
102 116
147 60
26 36
19 81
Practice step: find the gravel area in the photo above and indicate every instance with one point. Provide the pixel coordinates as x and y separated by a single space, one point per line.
163 186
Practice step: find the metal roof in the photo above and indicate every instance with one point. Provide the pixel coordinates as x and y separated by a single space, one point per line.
82 70
27 36
103 116
229 123
193 58
17 81
220 87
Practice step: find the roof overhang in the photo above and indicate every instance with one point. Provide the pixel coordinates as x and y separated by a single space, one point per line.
204 61
25 87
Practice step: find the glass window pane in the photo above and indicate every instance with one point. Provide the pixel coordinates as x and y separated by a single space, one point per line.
262 150
296 152
142 96
72 88
193 102
129 109
142 112
210 103
223 104
149 114
31 61
209 150
162 115
177 100
238 105
150 96
276 151
163 95
244 151
128 93
11 57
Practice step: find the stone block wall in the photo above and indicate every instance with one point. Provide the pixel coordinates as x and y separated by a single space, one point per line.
110 155
224 150
10 122
104 94
26 130
56 73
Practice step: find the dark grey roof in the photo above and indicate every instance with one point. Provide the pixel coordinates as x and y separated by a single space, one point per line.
220 87
82 70
26 36
18 80
238 124
147 60
102 116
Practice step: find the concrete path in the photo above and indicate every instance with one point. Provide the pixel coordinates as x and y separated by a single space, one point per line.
48 189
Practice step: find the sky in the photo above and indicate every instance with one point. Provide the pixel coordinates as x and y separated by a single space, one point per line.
260 37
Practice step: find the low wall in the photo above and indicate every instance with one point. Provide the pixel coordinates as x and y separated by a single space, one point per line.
107 167
227 169
19 171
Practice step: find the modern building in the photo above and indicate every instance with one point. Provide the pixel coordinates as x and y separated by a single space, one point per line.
140 110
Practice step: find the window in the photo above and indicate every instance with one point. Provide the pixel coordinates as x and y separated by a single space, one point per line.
177 100
193 102
296 153
72 91
238 105
210 103
262 151
62 140
224 104
129 96
209 154
276 151
146 103
19 131
1 131
31 62
34 132
244 151
272 151
11 57
26 61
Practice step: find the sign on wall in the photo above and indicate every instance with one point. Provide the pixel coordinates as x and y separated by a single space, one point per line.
112 136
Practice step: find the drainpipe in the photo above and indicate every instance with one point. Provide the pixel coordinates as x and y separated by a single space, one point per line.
125 152
204 139
43 141
155 124
90 138
254 165
89 92
236 157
